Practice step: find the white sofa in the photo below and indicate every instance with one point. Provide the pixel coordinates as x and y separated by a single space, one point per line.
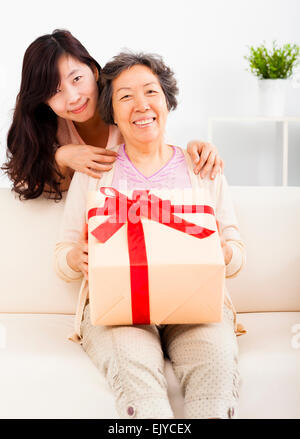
44 375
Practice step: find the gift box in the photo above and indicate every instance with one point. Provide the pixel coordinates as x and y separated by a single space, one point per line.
154 258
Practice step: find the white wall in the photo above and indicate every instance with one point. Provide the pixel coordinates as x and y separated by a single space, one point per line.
203 41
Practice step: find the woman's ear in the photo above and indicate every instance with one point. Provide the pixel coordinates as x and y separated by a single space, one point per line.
96 72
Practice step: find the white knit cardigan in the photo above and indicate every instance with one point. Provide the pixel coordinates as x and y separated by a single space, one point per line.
74 218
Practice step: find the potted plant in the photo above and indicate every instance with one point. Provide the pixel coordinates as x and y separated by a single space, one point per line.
273 68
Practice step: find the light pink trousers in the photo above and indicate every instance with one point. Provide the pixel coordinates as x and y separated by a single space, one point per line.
204 358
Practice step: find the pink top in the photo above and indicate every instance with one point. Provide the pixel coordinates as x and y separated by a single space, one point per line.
174 174
67 133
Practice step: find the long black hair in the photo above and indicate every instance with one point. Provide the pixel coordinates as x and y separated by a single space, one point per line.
31 139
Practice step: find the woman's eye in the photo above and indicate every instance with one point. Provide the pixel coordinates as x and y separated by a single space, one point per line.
125 97
151 91
77 78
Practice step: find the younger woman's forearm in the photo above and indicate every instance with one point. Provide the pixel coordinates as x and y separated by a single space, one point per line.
64 170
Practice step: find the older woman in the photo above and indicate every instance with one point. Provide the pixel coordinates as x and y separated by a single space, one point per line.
139 90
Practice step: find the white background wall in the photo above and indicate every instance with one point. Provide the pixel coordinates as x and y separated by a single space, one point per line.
203 41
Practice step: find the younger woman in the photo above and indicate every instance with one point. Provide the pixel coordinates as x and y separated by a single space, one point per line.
57 128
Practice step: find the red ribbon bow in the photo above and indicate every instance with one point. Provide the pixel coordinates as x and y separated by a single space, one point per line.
120 210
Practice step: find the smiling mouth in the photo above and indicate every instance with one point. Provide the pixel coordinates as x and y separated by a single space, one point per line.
144 122
80 109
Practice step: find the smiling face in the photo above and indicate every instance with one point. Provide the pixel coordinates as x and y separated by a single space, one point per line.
139 105
77 95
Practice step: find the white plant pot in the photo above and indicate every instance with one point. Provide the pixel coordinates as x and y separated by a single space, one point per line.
272 97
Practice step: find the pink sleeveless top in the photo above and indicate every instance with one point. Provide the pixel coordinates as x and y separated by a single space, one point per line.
174 174
67 133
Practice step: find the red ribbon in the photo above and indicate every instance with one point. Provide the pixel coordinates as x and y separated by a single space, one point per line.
121 210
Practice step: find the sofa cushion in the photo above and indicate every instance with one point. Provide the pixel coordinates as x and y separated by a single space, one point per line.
29 230
269 220
269 365
44 375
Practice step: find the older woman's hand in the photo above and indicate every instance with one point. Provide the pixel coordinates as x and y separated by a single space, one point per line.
205 158
77 258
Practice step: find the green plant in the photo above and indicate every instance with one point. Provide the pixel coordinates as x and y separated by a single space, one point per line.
275 63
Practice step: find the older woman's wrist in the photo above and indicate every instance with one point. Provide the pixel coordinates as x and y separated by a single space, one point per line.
72 259
62 266
228 254
236 260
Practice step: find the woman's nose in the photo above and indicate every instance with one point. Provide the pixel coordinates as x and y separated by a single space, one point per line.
141 104
73 95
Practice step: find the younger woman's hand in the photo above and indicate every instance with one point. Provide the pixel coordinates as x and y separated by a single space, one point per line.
227 250
77 258
205 158
91 160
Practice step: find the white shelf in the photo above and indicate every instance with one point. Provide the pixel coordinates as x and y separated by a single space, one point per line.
285 143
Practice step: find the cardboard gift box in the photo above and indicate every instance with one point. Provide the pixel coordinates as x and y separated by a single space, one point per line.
154 258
